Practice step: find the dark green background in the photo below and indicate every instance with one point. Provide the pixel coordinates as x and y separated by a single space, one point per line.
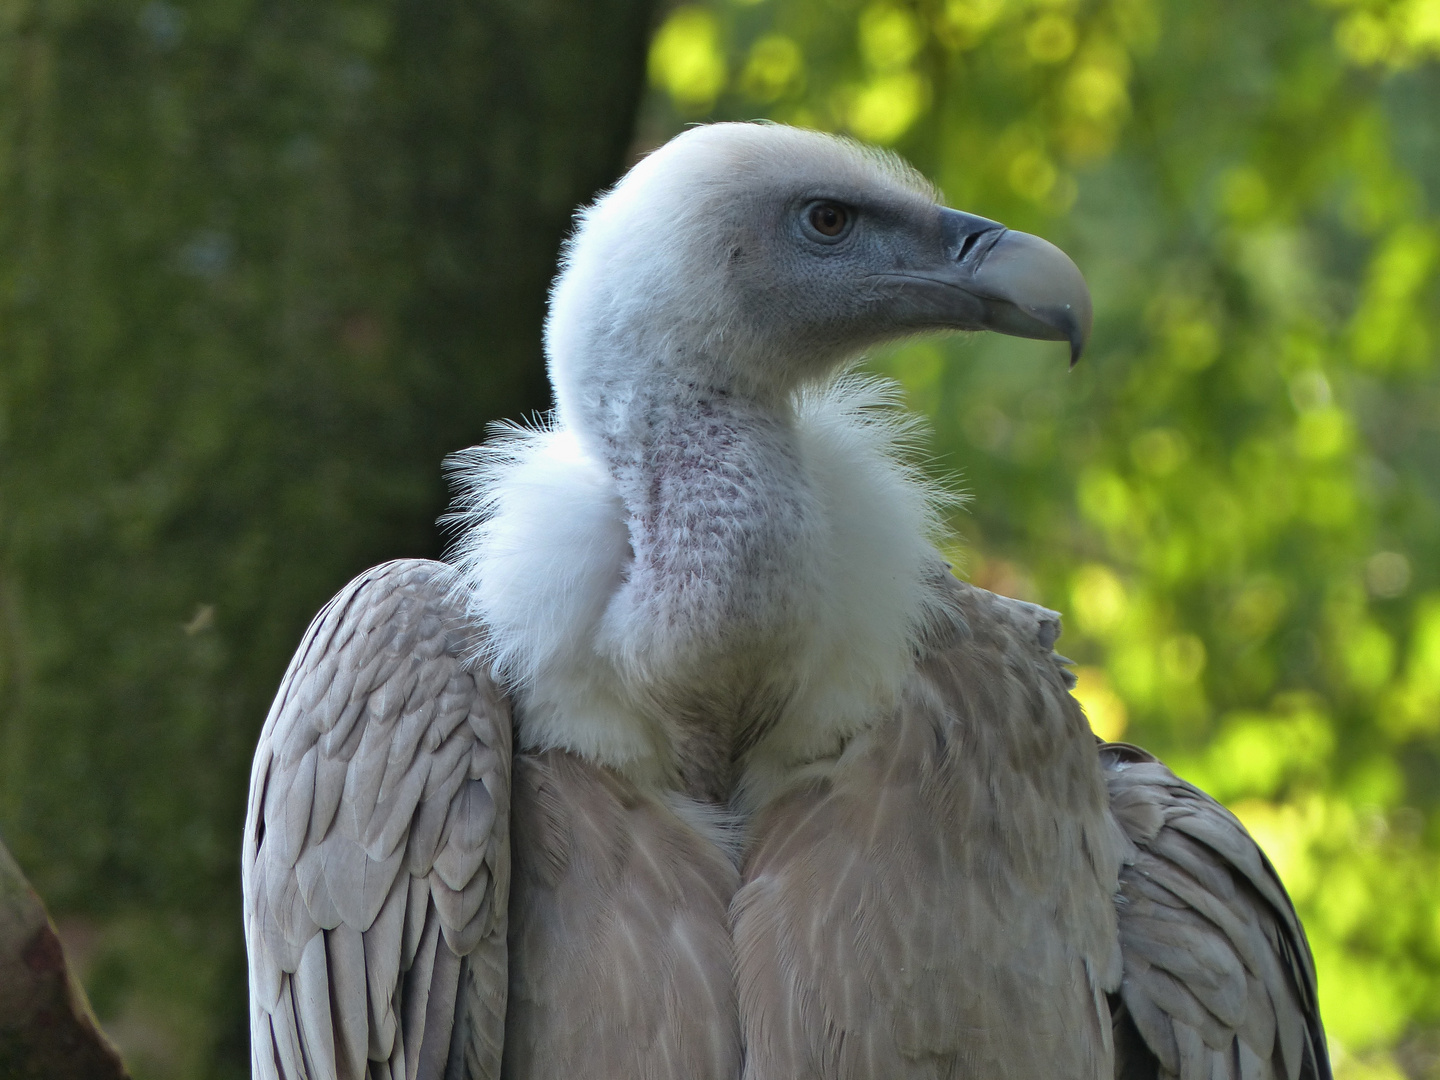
262 265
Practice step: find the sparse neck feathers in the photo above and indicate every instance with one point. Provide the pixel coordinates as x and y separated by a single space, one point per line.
705 457
723 526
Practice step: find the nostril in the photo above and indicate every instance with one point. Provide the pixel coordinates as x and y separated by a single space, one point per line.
967 236
966 246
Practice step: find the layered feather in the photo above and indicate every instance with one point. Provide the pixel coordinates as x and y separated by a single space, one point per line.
376 849
1219 981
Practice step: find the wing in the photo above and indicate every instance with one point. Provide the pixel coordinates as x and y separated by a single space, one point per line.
937 901
1219 982
376 849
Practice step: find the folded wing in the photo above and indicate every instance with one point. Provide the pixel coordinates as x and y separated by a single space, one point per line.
376 855
1219 982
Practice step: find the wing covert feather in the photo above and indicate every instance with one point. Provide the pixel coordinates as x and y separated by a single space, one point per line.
935 903
376 856
1219 981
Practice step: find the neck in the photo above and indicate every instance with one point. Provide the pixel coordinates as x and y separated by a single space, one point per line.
676 442
720 515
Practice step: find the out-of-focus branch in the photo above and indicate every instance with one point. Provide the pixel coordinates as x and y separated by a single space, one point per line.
46 1027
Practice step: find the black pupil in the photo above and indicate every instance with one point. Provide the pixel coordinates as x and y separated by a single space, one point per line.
828 219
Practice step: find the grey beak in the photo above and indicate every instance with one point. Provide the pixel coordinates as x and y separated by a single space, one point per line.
1026 286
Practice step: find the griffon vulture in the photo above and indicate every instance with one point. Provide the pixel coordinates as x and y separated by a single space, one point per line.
785 800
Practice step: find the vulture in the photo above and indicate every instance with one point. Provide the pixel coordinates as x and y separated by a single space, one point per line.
694 761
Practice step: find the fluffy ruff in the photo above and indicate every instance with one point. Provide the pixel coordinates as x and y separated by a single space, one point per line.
545 556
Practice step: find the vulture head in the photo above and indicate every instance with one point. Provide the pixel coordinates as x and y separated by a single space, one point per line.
753 258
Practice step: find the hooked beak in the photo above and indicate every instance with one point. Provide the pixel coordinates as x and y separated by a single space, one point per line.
992 278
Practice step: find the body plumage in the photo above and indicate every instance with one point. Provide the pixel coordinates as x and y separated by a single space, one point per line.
696 761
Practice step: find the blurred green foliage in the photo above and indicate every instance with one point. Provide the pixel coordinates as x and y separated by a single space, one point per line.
1236 496
262 264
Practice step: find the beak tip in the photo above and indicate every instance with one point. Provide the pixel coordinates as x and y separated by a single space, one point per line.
1037 291
1079 339
1079 334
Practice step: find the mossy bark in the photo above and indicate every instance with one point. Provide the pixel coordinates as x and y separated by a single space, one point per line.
262 265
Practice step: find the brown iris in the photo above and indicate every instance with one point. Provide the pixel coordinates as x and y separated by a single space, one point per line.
828 219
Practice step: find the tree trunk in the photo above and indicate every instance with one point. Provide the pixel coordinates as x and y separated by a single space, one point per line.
46 1027
262 264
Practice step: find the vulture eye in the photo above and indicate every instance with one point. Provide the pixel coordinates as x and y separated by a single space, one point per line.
830 220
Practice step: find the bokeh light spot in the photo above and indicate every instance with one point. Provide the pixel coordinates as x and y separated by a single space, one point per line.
1387 574
883 109
1104 708
1050 38
686 61
1182 658
774 68
1099 599
889 37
